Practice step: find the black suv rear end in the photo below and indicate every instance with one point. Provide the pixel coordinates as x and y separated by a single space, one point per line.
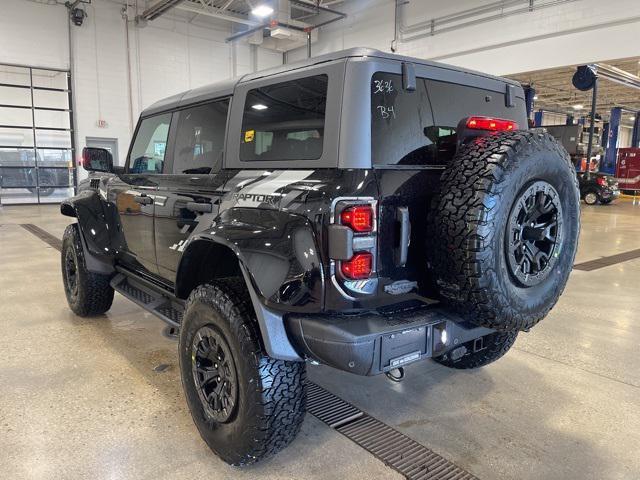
359 209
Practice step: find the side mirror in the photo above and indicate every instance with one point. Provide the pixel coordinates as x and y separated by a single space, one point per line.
97 160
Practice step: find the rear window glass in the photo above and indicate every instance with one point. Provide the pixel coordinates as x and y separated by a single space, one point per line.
285 121
419 127
399 119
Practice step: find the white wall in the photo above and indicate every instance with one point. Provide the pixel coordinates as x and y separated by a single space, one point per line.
568 34
167 56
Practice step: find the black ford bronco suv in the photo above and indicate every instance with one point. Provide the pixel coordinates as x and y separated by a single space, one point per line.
360 210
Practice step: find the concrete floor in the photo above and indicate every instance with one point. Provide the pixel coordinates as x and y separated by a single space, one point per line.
79 398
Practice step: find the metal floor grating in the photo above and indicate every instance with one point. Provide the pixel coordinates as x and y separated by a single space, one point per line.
43 235
607 261
396 450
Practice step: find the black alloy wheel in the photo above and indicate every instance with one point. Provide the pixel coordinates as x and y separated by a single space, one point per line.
534 232
71 274
214 373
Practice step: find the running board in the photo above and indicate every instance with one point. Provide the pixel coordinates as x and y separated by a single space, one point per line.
163 306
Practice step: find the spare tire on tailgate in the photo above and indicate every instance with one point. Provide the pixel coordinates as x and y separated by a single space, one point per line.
504 229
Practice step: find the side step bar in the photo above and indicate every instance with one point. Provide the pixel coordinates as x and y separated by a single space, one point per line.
169 309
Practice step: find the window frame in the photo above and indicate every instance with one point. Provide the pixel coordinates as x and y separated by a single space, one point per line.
167 151
173 133
329 158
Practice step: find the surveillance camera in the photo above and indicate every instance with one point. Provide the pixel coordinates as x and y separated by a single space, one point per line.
77 16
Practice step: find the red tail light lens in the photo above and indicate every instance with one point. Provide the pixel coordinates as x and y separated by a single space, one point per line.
491 124
359 267
359 218
601 181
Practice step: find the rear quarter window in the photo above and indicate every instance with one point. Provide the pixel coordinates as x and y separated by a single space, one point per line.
285 121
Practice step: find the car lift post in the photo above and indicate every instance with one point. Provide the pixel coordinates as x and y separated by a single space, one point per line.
608 164
635 136
529 95
537 118
592 124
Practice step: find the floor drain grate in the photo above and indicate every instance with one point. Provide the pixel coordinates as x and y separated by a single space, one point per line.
406 456
43 235
607 261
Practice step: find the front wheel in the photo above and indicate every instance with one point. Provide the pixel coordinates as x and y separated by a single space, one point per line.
591 197
87 293
245 405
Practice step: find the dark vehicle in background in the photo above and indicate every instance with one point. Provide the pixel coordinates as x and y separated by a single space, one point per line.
597 188
18 170
358 209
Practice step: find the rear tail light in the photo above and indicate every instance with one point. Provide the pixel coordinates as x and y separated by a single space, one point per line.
359 218
358 267
491 124
602 181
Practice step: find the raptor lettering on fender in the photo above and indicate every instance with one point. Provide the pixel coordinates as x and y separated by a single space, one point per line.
257 198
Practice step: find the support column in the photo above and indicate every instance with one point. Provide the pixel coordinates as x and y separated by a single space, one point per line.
635 136
608 165
529 93
537 118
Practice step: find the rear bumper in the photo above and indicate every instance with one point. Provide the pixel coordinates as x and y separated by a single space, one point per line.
373 343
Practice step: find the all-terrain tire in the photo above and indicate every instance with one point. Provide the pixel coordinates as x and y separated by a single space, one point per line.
495 346
270 401
87 293
473 254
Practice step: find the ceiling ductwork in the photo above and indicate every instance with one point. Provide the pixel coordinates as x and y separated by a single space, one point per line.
280 25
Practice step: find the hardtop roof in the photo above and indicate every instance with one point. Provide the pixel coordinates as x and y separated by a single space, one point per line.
226 87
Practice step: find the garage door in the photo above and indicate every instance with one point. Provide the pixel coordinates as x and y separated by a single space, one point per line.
36 142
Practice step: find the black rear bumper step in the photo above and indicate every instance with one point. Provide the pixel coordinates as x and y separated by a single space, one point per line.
373 343
167 308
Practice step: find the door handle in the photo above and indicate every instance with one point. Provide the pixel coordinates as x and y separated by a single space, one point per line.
200 207
143 199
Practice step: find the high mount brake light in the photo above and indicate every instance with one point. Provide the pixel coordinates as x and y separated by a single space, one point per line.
491 124
358 267
359 218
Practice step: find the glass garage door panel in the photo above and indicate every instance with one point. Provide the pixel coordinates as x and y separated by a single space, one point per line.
12 75
16 117
49 99
53 139
16 137
49 157
49 79
17 157
15 96
51 119
36 141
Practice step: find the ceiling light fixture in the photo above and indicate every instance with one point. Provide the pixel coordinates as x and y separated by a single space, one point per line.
535 97
262 10
632 119
578 107
259 106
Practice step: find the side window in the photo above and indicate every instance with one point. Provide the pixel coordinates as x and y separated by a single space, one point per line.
148 151
200 138
285 121
402 128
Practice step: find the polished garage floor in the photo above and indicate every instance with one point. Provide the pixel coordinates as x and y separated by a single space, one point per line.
101 398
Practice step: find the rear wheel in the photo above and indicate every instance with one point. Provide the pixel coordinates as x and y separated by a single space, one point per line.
505 229
480 352
245 405
87 293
